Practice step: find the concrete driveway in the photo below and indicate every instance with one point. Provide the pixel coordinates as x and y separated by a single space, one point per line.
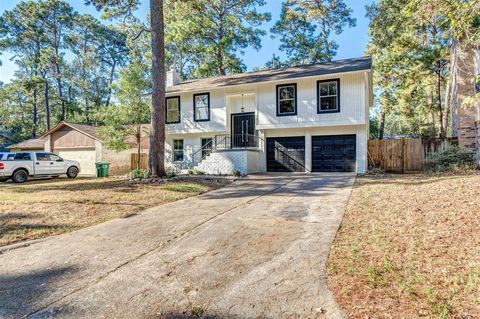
254 249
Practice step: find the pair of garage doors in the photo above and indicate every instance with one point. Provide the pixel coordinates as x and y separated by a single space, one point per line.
336 153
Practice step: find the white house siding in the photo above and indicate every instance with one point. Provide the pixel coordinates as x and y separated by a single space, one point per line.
352 103
191 144
218 114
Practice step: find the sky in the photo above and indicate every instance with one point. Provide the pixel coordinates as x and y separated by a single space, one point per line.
352 41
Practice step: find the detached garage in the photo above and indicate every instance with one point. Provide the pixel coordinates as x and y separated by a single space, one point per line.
80 142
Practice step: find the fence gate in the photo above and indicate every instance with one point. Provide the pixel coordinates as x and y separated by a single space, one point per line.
143 161
404 155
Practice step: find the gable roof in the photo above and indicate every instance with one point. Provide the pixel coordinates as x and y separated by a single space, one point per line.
33 143
86 129
301 71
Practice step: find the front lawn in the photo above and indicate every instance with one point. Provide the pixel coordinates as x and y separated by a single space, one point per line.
49 207
409 247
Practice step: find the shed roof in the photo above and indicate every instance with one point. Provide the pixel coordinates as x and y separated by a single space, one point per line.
33 143
89 130
340 66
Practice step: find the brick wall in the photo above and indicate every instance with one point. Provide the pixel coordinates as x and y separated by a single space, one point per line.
226 162
466 116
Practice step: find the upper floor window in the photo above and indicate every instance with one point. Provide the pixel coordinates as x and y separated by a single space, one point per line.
286 99
177 150
328 95
173 109
201 107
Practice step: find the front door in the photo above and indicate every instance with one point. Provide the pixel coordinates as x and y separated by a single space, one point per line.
243 130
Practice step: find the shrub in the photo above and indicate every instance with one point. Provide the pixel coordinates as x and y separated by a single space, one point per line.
138 173
170 172
198 172
236 173
451 158
190 171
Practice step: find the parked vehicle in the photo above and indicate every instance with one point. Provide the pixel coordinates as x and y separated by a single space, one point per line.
6 156
36 164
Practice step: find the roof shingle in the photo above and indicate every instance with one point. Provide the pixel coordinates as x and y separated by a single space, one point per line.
34 143
341 66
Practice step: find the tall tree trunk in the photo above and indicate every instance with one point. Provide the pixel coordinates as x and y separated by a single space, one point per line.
156 160
443 133
110 82
138 135
325 38
47 105
453 81
60 89
381 132
35 114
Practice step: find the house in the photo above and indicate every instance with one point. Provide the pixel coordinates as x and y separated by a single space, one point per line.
466 120
80 142
33 144
309 118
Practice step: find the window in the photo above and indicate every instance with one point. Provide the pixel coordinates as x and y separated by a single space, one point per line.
286 99
328 95
206 146
55 158
43 157
177 150
22 157
201 107
173 109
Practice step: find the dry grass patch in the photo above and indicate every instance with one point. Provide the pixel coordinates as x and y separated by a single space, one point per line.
409 247
50 207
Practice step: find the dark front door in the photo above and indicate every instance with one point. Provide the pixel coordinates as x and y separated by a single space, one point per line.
335 153
243 130
286 154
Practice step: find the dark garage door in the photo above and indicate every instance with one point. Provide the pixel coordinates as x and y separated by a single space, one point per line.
334 153
286 154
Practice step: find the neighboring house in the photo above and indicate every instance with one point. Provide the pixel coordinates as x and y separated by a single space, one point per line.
80 142
466 120
34 144
310 118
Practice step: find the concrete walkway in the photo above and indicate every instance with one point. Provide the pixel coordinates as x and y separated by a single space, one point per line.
254 249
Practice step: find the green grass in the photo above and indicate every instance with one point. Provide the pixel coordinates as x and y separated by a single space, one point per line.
184 188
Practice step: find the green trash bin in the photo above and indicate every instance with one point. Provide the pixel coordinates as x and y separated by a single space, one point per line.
102 169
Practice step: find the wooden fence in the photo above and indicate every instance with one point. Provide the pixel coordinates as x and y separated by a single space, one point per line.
404 155
143 161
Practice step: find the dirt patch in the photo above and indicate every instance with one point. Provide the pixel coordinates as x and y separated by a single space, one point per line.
50 207
409 247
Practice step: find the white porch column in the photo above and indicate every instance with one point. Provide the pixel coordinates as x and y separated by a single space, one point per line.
308 152
262 158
